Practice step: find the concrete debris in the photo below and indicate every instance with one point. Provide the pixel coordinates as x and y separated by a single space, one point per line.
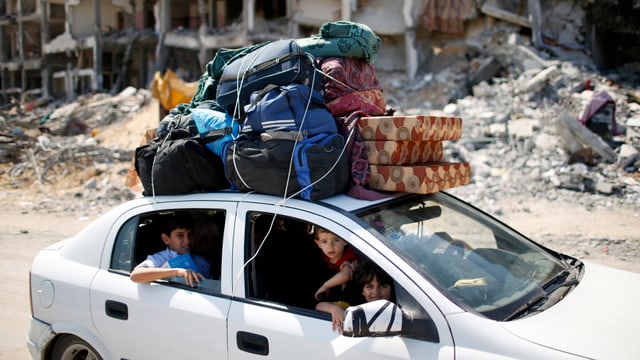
44 145
522 133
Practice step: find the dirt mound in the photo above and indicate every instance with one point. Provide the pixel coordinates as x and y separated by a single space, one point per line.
82 174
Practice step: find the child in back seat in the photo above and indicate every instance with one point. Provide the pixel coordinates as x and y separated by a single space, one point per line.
338 256
371 282
175 234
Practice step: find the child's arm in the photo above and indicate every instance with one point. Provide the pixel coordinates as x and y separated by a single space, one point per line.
345 274
146 274
336 311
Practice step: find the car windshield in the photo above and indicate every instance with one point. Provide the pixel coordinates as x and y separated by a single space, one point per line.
478 262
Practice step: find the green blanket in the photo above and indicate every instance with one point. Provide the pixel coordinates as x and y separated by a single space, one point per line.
343 39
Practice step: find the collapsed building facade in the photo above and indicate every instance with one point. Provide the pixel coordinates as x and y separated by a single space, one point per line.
58 49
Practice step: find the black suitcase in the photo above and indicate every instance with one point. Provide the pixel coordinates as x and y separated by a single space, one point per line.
319 165
280 62
179 164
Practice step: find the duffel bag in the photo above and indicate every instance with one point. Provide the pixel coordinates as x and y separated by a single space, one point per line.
312 169
289 108
209 122
206 125
279 62
179 164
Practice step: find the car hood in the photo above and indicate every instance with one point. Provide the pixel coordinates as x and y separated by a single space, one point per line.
598 319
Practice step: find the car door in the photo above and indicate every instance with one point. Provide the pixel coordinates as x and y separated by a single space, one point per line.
260 328
157 320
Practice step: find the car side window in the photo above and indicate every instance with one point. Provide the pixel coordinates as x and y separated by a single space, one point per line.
123 247
140 237
285 262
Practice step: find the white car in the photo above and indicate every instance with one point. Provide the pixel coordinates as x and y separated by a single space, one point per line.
466 287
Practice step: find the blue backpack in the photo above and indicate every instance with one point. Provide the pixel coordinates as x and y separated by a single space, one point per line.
213 121
292 107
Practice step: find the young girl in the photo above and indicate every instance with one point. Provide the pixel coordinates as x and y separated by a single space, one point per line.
338 256
374 284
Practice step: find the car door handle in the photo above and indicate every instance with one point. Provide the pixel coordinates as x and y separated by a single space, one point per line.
116 309
252 343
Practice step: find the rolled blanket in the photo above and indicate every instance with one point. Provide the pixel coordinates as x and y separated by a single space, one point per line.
349 85
345 75
368 101
343 39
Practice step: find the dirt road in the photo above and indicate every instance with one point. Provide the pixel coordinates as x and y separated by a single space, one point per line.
601 236
22 237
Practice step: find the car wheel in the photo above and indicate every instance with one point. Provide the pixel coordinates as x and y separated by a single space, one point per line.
74 348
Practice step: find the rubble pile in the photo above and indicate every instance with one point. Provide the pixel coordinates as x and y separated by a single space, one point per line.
522 113
51 152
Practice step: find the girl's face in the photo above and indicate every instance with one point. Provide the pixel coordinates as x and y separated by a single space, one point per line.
375 291
178 240
331 245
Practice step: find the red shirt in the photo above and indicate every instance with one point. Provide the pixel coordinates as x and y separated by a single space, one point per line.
349 255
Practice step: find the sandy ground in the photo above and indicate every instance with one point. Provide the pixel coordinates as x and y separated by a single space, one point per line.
605 236
22 237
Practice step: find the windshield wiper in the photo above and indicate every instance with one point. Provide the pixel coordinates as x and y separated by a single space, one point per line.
529 306
542 297
562 279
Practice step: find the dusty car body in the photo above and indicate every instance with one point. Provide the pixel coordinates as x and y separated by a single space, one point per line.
467 286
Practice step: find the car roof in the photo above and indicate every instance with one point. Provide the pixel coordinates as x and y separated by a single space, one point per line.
340 201
351 204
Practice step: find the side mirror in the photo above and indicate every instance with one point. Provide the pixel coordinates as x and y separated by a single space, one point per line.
376 318
384 318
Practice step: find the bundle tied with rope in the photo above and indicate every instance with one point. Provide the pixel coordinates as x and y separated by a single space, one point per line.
290 145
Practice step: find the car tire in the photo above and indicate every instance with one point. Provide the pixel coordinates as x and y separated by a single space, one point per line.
72 348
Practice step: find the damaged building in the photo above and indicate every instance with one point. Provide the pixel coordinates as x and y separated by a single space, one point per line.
59 49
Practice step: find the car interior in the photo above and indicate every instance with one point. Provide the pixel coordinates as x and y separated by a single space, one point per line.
148 240
287 265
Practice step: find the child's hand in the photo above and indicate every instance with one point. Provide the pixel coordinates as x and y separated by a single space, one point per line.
191 277
336 319
321 292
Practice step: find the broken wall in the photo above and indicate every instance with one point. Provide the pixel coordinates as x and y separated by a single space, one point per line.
386 17
55 19
613 32
387 20
82 18
419 36
316 13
